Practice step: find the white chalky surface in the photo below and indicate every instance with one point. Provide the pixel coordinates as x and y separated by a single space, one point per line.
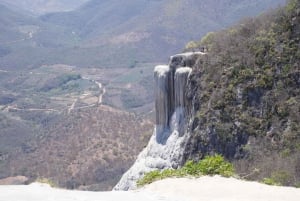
202 189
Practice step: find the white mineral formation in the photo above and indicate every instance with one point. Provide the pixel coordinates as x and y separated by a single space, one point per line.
161 90
165 148
205 188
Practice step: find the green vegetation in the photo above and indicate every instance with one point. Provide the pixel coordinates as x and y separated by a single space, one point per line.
278 178
210 165
60 81
46 181
271 182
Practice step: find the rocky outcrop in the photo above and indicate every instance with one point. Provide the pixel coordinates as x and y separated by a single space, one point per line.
166 146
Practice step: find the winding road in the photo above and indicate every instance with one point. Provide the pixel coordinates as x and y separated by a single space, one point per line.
102 91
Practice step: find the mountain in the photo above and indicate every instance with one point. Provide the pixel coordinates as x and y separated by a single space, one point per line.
27 42
158 28
122 34
10 21
239 98
44 6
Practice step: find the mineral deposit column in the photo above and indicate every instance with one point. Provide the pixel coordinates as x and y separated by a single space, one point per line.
162 92
181 78
180 102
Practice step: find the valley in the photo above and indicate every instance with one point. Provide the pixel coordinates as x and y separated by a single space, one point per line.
37 108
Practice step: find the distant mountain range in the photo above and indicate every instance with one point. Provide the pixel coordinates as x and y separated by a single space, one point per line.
116 33
44 6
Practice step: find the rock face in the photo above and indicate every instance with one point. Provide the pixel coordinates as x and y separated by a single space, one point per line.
166 146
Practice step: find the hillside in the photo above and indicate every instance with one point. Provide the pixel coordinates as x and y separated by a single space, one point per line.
9 21
26 42
55 123
82 150
44 6
158 28
245 94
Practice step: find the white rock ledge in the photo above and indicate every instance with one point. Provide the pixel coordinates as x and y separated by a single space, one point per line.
177 189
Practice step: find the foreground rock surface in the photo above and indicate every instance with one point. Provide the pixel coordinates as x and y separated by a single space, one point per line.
221 189
204 188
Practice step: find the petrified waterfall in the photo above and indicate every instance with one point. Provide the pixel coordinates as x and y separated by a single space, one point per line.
165 148
162 99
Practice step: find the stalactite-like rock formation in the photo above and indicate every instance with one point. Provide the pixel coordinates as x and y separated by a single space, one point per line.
162 99
166 146
180 101
170 99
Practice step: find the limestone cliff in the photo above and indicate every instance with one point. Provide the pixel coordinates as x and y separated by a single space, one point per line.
167 145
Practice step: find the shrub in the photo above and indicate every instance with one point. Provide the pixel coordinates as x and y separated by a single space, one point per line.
270 181
59 81
46 181
191 45
278 178
149 178
210 165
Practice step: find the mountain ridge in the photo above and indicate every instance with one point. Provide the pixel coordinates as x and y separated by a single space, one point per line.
113 33
38 7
